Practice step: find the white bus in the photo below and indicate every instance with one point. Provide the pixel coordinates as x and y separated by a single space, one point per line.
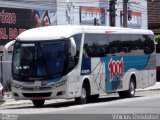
81 62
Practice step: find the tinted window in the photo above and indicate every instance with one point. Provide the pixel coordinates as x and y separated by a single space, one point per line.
39 58
148 43
74 60
114 44
96 45
158 48
100 45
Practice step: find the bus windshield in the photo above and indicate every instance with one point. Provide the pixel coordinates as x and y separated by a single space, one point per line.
39 59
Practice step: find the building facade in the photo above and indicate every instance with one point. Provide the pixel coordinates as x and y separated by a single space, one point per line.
84 12
154 16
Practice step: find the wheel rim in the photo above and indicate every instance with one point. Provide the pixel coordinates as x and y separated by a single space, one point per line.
132 88
83 93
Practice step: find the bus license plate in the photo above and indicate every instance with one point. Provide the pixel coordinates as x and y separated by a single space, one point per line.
37 98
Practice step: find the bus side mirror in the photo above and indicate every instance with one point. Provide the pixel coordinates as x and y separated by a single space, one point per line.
72 46
6 48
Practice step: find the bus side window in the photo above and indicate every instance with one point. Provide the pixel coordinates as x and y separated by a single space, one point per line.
85 54
115 44
96 45
73 61
125 49
147 50
103 51
113 50
148 43
87 51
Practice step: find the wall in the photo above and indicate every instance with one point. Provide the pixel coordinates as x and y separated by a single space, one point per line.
139 9
68 11
154 16
139 19
30 4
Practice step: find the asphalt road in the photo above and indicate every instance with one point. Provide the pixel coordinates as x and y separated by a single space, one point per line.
136 105
145 102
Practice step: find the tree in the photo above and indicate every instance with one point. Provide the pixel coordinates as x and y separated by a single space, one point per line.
157 39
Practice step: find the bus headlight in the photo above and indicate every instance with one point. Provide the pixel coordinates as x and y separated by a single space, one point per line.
58 84
16 86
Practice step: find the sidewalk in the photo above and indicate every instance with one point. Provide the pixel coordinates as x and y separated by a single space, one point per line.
154 87
9 101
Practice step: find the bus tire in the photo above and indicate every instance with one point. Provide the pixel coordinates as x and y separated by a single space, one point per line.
122 94
93 98
84 95
132 88
130 92
38 103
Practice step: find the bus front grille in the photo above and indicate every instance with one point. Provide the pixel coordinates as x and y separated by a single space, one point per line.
47 94
32 88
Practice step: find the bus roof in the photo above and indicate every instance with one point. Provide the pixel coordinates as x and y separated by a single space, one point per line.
65 31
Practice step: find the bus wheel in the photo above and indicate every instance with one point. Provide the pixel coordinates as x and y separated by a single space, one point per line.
132 88
38 103
130 92
84 95
93 98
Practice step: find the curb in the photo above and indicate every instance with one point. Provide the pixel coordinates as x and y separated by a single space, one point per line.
139 90
154 87
12 102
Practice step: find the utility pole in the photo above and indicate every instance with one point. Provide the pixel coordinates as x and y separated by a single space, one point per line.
112 12
125 12
96 21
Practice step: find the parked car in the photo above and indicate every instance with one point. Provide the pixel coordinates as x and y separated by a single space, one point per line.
1 93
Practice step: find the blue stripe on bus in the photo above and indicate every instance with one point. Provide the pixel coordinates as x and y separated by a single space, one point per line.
113 80
86 66
123 64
